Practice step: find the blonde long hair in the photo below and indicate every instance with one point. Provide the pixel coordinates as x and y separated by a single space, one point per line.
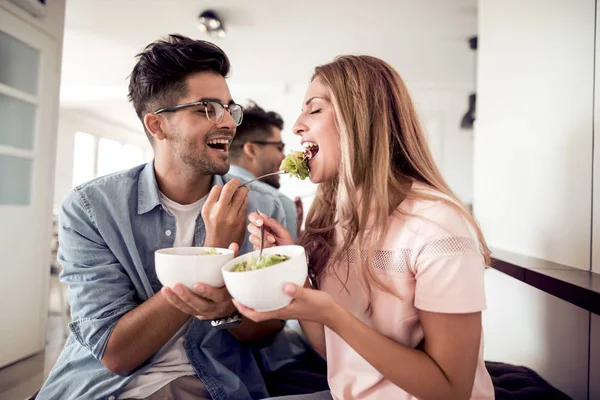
383 148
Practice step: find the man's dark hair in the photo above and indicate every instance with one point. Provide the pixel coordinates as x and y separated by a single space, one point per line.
159 77
257 126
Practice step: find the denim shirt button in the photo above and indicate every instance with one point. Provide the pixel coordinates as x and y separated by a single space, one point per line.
168 232
111 398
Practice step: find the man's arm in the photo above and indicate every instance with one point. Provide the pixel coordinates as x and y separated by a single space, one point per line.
259 333
140 333
107 316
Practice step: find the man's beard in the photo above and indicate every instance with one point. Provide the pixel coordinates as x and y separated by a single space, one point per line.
201 164
198 159
272 181
268 168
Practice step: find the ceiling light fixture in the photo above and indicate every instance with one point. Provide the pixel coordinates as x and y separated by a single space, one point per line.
209 22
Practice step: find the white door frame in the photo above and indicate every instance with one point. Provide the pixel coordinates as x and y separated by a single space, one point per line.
25 231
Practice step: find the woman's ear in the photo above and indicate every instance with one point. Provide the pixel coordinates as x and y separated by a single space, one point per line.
154 124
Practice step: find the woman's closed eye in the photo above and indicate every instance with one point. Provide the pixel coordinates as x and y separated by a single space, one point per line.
315 111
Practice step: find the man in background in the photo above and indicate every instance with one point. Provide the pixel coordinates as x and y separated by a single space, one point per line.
256 150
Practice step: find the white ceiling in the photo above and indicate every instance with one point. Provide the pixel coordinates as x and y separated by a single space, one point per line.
273 44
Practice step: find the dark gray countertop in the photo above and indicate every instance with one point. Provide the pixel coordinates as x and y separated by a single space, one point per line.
578 287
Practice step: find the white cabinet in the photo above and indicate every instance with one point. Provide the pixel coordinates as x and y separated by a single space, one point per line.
533 132
29 90
596 168
52 24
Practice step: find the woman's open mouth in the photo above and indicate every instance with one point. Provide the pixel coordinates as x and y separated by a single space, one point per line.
310 149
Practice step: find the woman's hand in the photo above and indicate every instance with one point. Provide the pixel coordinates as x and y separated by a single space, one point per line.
307 305
275 233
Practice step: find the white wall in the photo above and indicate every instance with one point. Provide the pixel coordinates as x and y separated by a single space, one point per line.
533 175
525 326
441 108
73 120
533 134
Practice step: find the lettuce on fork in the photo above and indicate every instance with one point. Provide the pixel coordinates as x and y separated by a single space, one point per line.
296 163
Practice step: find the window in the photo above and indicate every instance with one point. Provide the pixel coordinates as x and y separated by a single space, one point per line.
98 157
109 156
84 153
132 156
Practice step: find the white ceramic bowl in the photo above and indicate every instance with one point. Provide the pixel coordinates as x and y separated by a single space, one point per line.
189 265
262 289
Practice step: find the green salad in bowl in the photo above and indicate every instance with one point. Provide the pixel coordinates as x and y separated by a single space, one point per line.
267 260
211 251
261 287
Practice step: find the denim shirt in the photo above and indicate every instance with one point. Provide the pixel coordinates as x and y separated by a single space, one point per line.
109 230
289 208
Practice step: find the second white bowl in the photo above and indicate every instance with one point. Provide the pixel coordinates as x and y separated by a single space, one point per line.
189 265
262 289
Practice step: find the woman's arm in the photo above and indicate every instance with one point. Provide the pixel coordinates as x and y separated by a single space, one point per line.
444 369
315 333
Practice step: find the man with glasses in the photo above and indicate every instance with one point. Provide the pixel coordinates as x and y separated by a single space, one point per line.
131 337
257 150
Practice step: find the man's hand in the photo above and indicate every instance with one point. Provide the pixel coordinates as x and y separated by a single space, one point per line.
224 215
204 302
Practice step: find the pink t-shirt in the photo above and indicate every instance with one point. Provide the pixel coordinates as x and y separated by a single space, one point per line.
433 261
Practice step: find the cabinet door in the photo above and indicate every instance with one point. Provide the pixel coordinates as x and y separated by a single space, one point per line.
29 87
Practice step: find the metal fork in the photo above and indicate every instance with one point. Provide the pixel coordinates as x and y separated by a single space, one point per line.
264 176
262 237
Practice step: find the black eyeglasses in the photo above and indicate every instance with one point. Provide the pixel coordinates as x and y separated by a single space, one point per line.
215 111
280 145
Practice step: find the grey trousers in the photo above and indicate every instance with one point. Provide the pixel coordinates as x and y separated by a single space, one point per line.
184 388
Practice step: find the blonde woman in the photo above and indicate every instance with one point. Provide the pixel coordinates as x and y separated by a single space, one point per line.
396 261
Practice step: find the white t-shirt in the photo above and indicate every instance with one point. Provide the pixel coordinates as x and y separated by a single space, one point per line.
171 362
185 219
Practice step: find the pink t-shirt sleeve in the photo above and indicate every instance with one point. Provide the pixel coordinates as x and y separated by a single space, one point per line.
448 264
